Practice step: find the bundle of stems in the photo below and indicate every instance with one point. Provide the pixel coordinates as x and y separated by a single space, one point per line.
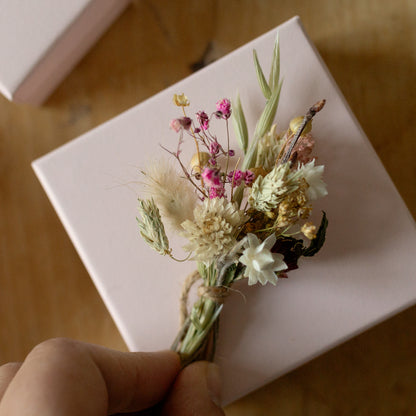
197 336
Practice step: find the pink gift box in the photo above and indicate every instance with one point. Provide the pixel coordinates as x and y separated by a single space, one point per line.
41 41
364 274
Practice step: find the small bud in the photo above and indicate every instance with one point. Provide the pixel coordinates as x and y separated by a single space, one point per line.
181 100
175 125
309 230
214 148
318 106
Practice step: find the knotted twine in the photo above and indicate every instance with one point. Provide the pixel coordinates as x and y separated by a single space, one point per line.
216 293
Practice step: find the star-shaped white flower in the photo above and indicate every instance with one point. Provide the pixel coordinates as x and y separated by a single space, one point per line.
313 176
261 264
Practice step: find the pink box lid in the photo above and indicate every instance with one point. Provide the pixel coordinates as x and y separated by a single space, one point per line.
42 40
364 274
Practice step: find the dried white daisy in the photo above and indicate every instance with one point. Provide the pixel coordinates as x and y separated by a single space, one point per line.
261 264
212 231
313 176
173 194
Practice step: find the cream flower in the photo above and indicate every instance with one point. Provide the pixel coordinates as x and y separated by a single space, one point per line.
261 264
269 191
212 232
313 176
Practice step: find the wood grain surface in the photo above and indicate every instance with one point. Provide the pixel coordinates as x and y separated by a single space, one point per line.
370 48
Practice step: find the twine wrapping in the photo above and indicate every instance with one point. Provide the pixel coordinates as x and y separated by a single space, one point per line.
216 293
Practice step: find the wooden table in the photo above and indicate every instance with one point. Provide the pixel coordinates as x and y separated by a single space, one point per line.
370 48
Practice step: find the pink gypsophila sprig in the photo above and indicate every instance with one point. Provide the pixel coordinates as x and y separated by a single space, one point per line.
211 177
203 119
224 108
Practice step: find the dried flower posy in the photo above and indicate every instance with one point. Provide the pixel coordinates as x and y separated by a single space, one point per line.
240 222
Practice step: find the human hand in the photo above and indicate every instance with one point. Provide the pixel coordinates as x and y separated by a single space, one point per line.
69 378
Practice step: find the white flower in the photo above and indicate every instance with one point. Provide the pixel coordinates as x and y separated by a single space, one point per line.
313 176
212 232
173 195
261 264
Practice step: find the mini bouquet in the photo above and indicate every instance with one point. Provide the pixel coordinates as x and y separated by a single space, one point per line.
243 219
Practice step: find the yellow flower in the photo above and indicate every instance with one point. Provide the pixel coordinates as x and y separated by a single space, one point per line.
181 100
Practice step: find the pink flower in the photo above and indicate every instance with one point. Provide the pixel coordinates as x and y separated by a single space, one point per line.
224 108
186 122
249 177
214 148
236 177
180 123
216 193
175 125
211 177
203 119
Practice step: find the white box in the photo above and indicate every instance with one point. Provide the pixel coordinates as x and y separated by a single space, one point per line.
364 273
41 41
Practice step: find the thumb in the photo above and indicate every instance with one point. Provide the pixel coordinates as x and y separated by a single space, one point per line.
196 391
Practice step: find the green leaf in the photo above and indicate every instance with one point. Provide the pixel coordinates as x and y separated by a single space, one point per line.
275 69
266 119
239 193
319 240
251 155
240 124
260 77
202 269
230 274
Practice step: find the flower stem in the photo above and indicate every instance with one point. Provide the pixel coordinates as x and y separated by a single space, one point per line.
308 117
228 149
197 148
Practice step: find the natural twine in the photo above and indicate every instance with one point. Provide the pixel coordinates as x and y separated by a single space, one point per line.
216 293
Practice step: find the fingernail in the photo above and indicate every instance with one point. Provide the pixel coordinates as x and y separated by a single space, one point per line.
214 383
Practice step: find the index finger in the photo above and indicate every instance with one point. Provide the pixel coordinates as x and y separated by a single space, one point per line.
66 377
